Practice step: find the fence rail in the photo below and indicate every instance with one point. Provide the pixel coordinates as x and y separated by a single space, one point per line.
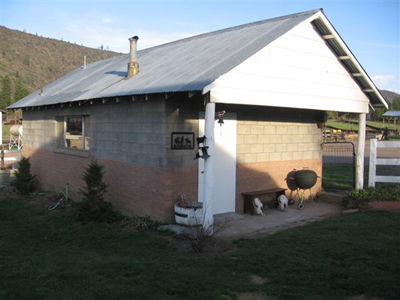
10 156
374 161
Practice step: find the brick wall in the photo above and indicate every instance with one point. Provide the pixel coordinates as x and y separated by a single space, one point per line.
264 175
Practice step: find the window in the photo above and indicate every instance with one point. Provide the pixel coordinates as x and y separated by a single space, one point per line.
74 132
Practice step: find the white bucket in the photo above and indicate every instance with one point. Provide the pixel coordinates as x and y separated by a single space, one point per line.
192 215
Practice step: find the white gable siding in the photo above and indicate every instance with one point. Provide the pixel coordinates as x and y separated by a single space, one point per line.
297 70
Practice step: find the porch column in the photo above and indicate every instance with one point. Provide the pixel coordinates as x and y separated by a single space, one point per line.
208 194
360 152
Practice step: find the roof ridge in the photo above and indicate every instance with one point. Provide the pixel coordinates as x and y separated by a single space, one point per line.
300 14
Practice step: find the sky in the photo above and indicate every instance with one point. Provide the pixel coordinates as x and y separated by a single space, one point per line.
370 28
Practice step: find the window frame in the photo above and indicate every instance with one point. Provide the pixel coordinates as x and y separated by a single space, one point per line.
61 140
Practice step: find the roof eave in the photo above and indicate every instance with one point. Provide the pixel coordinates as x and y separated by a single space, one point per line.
332 34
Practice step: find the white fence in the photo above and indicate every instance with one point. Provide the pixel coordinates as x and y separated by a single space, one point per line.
374 161
10 156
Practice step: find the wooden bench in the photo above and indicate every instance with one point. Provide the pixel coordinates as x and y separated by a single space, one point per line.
249 196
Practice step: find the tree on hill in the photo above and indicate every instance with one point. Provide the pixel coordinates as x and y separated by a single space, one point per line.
20 90
378 112
395 104
5 93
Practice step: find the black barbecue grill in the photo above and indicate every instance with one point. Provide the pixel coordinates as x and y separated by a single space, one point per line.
305 180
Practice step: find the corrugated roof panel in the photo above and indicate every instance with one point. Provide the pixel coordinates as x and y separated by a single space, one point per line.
185 65
392 113
335 46
319 24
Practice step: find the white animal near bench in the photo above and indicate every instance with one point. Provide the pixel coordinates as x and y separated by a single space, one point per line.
282 202
258 207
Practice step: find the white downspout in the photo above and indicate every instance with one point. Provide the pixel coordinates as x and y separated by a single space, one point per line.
360 152
209 169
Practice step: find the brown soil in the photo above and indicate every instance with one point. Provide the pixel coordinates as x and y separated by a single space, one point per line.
48 200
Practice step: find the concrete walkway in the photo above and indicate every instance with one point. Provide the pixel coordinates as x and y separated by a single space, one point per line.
6 177
246 225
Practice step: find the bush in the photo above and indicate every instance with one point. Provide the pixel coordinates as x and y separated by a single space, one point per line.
360 199
93 208
24 181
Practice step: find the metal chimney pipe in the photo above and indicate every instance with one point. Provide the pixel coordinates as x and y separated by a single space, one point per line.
133 65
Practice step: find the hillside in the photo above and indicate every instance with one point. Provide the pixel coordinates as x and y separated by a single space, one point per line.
389 95
32 60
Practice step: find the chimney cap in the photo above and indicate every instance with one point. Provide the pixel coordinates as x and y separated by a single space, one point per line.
134 38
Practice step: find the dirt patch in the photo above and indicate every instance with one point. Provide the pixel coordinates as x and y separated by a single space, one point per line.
253 296
258 280
363 297
385 205
51 202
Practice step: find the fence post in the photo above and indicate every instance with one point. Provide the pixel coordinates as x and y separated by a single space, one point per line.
360 152
372 162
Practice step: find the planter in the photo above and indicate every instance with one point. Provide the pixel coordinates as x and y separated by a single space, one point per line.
385 205
192 215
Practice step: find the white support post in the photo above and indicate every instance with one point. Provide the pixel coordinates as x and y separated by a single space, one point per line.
372 162
208 194
360 152
1 128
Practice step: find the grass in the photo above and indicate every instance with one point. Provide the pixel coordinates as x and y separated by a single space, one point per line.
47 256
342 125
340 176
354 127
382 125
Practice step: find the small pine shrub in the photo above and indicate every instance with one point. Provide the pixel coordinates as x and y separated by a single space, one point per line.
24 181
93 208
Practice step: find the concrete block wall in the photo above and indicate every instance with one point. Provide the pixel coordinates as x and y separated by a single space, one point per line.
132 140
182 115
263 141
129 131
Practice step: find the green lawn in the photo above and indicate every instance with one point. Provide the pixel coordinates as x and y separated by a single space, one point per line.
47 255
354 127
340 176
382 125
342 125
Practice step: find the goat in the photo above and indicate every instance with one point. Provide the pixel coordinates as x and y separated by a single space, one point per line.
258 207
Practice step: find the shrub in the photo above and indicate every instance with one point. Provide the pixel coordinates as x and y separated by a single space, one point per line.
93 208
360 199
24 181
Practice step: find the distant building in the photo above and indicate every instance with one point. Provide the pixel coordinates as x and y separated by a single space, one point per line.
392 116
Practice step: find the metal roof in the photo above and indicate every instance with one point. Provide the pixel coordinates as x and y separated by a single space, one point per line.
392 113
191 64
185 65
